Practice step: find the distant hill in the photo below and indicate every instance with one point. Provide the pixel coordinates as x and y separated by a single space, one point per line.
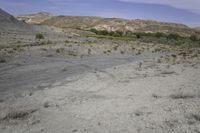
114 24
35 18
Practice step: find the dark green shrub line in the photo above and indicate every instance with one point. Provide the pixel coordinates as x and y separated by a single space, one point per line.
112 37
107 33
158 37
136 34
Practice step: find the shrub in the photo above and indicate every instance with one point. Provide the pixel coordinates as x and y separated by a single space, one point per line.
18 41
89 51
159 35
120 33
122 52
49 42
72 53
109 51
2 60
193 38
181 95
66 41
39 36
138 36
60 50
112 33
195 116
128 33
16 115
42 43
173 36
116 34
103 32
115 47
94 31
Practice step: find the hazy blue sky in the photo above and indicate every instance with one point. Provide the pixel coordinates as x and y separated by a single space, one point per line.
183 11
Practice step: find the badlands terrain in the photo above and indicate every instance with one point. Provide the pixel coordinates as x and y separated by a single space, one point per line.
71 75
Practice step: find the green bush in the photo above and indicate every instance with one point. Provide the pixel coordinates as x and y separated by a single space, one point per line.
129 33
120 33
103 32
142 34
39 36
173 36
66 41
157 37
138 36
112 33
116 34
193 38
107 33
2 60
94 31
159 34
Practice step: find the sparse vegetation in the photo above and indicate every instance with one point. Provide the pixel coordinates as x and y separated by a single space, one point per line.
89 51
193 38
39 36
38 43
2 60
46 104
16 115
182 95
94 30
19 114
72 53
173 36
195 116
66 41
18 41
49 42
115 47
60 50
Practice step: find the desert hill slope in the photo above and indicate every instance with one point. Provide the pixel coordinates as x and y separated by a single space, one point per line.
114 24
35 18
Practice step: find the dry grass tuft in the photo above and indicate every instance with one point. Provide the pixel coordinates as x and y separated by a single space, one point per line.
2 60
195 116
15 115
181 95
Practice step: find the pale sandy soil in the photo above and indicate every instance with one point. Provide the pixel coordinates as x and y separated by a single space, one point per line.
137 97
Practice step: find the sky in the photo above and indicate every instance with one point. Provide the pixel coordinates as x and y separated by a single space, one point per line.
178 11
